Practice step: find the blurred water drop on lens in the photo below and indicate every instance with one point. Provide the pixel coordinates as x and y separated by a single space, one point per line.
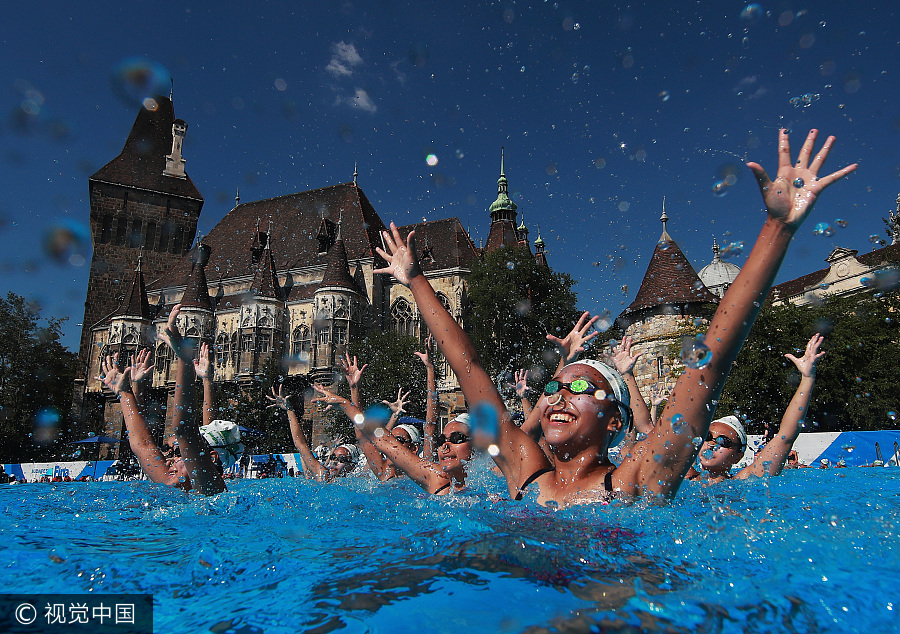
67 242
751 14
137 79
605 322
694 353
719 188
46 425
484 425
678 424
732 250
887 279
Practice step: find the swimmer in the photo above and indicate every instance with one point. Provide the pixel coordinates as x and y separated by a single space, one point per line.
584 409
408 435
454 449
192 467
338 463
727 441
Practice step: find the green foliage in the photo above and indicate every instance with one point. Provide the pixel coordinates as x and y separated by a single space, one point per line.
856 381
392 365
36 375
246 404
514 304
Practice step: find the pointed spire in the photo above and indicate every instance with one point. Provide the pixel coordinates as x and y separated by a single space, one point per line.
135 303
355 172
503 213
539 243
664 218
171 89
237 196
196 292
715 250
539 254
337 269
265 281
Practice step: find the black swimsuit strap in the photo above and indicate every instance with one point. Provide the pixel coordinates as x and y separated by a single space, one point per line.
443 487
534 476
607 481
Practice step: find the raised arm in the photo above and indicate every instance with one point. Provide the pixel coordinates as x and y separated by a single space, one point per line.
624 362
309 462
141 370
204 372
773 456
573 344
139 437
354 375
424 473
657 398
519 456
205 477
431 401
396 407
658 464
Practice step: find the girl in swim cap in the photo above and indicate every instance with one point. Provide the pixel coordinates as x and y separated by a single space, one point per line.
577 415
338 463
727 441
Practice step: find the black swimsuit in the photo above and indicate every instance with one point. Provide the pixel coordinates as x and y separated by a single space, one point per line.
607 481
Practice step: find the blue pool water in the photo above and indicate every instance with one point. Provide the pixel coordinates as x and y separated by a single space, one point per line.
809 551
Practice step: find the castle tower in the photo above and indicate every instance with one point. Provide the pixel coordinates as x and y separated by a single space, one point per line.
503 215
262 316
142 199
671 298
338 311
540 255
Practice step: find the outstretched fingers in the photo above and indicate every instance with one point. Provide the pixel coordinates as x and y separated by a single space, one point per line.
825 181
806 150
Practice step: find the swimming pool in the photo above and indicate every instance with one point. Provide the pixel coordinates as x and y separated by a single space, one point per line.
812 550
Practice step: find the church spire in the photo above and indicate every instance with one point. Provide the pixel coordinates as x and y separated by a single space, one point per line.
664 218
355 172
503 214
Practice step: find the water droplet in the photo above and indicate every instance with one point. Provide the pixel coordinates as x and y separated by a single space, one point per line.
510 266
697 441
867 281
751 14
720 188
678 424
823 229
694 353
484 425
841 223
798 183
663 245
664 95
892 415
732 250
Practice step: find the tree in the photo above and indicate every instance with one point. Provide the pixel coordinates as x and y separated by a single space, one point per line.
856 380
514 304
36 376
392 366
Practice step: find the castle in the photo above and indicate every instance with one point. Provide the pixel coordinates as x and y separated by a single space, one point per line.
287 279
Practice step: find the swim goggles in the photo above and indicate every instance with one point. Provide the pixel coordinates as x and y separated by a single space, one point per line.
342 458
456 438
578 386
723 441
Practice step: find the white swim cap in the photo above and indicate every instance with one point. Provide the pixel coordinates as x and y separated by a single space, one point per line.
462 418
353 450
414 434
735 424
225 437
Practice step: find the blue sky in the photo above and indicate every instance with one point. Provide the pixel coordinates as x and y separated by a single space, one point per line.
602 111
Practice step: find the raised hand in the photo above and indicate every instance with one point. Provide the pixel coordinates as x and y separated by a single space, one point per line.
573 343
352 370
807 363
279 399
172 336
623 359
521 383
141 365
791 196
116 380
400 255
326 396
397 406
201 364
425 357
658 396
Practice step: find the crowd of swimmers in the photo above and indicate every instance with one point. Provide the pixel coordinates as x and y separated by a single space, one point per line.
562 447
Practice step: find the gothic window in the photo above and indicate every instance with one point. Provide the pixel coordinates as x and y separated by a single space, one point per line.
121 230
263 342
445 302
134 238
235 349
150 235
340 334
222 349
163 359
130 339
404 318
193 332
106 228
247 342
323 336
300 342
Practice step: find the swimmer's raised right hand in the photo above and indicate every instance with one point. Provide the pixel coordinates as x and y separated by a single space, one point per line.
400 255
791 196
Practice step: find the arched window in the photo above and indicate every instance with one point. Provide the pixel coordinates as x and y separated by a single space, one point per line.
235 350
403 318
163 359
222 349
445 302
300 343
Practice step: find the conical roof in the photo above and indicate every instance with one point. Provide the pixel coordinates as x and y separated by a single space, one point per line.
337 269
265 282
135 303
196 292
143 159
